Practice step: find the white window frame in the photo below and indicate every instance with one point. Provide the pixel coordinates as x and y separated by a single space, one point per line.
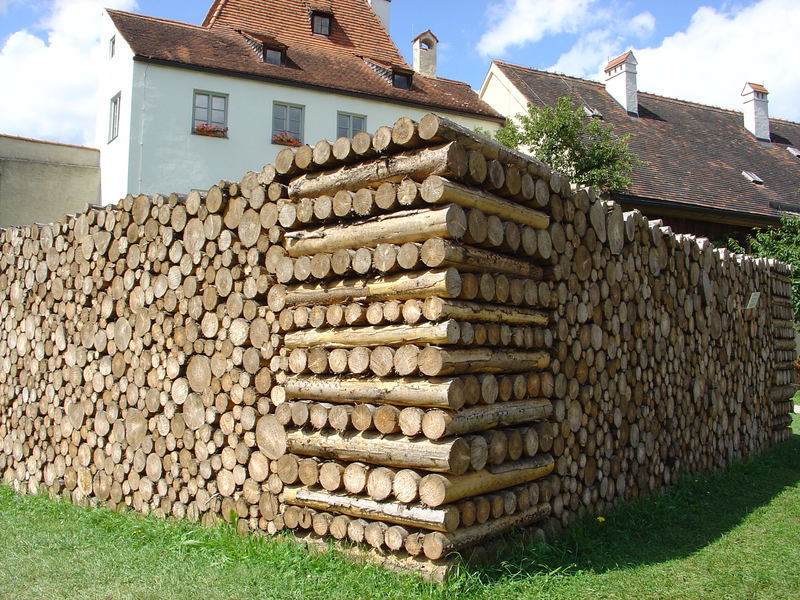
323 17
112 46
208 108
349 115
113 117
287 106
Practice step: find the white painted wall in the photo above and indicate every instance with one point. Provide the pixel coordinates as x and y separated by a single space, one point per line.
165 157
116 75
502 95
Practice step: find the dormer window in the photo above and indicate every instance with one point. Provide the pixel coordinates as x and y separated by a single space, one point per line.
401 80
274 56
321 23
592 112
752 177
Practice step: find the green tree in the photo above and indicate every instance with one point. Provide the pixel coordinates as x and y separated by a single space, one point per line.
781 242
583 148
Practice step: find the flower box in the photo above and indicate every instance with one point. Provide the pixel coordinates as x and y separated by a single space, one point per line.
285 139
210 130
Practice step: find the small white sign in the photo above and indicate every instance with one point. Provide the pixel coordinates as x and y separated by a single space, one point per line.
753 301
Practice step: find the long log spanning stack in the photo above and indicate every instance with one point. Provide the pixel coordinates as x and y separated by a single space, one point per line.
412 340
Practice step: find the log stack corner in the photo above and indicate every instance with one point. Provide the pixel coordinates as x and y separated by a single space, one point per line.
413 341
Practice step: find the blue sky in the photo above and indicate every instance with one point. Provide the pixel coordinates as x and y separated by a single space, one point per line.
700 51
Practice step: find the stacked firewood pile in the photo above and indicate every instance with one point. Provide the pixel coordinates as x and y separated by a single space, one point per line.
664 355
784 352
414 304
413 340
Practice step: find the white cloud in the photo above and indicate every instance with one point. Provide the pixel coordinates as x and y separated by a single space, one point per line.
642 24
721 50
51 81
594 48
518 22
582 58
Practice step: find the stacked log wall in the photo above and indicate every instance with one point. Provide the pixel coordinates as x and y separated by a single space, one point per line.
414 340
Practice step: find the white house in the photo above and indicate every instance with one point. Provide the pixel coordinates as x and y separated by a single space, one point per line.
183 106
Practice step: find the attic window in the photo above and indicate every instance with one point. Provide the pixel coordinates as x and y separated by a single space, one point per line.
274 56
401 80
321 23
592 112
793 151
752 177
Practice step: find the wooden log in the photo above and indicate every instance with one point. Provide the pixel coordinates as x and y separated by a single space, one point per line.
446 332
438 423
438 545
435 393
449 456
446 283
436 309
438 252
437 490
438 190
435 361
446 519
397 228
447 160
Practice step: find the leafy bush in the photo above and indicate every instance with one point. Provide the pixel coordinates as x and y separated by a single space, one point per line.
781 242
582 147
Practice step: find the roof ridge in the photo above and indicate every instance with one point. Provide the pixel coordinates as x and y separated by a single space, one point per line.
382 25
38 141
651 94
157 19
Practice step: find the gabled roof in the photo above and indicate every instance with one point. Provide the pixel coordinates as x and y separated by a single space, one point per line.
335 62
619 60
755 87
694 154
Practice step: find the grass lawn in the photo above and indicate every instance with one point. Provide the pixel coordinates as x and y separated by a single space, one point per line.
732 535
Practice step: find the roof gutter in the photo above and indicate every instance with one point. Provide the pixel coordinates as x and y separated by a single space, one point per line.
699 213
310 86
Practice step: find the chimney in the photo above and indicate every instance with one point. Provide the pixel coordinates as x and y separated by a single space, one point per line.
425 53
382 9
621 82
756 110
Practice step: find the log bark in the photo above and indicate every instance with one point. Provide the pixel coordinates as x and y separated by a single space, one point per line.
445 283
412 226
446 332
444 520
447 160
440 361
439 545
437 490
438 423
438 190
450 456
435 393
436 309
438 252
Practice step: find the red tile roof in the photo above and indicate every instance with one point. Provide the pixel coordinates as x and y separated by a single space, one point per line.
617 61
756 87
334 62
694 154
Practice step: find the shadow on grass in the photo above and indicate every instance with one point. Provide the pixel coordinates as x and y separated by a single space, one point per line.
686 518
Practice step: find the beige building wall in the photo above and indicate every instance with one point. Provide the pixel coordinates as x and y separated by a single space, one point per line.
42 181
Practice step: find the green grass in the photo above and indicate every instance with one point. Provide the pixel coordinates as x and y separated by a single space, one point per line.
726 535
